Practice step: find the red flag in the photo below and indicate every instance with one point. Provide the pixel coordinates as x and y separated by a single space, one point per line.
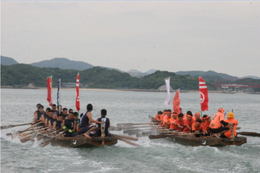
49 90
203 89
177 102
77 92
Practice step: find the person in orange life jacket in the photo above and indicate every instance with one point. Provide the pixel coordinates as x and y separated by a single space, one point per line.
195 123
162 116
173 119
187 113
158 116
232 123
188 123
180 123
106 122
205 125
166 119
196 116
38 114
217 124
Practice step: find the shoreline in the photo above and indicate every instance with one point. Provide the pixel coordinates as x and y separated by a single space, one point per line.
133 90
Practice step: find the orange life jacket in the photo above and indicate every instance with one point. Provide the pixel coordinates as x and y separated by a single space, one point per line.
166 121
187 125
215 123
157 117
228 133
196 126
173 125
205 126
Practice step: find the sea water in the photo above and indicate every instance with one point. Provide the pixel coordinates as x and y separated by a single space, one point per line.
158 155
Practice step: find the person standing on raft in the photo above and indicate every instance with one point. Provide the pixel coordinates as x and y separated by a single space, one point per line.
105 124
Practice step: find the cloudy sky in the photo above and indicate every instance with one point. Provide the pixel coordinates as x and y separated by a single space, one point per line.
168 35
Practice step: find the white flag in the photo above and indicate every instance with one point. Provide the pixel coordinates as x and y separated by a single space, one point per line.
168 96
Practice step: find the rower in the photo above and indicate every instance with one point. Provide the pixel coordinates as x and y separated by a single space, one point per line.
232 122
38 114
205 124
54 108
166 119
173 125
217 124
158 116
69 126
103 127
64 113
180 123
188 122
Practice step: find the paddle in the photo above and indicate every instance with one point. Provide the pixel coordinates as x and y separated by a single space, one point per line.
254 134
128 142
126 137
15 125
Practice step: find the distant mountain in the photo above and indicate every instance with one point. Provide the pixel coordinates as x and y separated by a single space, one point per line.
139 74
63 63
250 76
7 60
209 75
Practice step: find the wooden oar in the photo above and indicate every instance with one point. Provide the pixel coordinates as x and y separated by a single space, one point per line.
128 142
125 137
254 134
132 124
14 125
43 144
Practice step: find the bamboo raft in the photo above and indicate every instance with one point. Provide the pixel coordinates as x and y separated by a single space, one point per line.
190 139
80 141
56 138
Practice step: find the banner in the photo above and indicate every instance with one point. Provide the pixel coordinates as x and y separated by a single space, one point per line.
167 101
58 93
203 89
49 90
177 102
77 92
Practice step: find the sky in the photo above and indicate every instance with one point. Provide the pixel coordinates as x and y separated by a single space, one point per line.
223 36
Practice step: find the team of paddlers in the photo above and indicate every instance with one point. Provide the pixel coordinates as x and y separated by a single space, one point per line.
199 125
58 118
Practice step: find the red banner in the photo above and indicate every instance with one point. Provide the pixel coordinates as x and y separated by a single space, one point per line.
203 89
77 92
49 90
177 102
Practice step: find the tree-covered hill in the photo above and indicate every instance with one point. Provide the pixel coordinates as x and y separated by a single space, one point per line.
97 77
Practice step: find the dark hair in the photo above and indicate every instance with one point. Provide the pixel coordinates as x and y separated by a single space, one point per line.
89 107
189 113
180 115
76 114
70 110
159 112
198 120
48 109
64 109
41 106
103 112
53 105
205 116
38 105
